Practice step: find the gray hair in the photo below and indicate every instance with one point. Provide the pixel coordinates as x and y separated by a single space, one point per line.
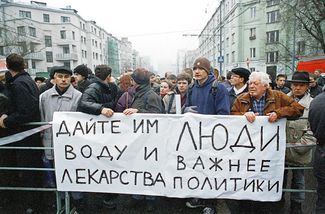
261 76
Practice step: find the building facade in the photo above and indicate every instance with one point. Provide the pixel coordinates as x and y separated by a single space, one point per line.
48 36
255 35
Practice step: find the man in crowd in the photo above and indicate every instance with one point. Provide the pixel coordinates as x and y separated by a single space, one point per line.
314 88
100 97
258 101
81 72
280 83
24 98
320 79
61 97
145 101
298 133
239 78
206 96
317 120
183 82
48 83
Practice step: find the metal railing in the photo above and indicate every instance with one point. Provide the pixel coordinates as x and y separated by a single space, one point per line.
67 208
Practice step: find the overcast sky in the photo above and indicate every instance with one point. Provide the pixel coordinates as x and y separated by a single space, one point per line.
155 27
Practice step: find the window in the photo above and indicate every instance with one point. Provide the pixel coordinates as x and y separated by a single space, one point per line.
273 16
233 38
93 42
272 36
66 64
66 50
233 56
33 64
83 27
96 56
272 2
46 18
227 58
32 47
253 52
2 52
85 54
65 19
49 56
1 30
253 12
85 40
96 44
23 46
63 34
32 31
252 34
252 69
301 47
227 42
25 14
21 31
272 56
48 41
73 35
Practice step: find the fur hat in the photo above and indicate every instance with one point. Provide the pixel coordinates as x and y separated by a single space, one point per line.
242 72
202 63
82 70
300 77
141 76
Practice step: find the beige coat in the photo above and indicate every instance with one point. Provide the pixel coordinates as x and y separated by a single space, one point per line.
298 132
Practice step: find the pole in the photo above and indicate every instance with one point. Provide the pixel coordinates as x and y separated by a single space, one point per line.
220 61
294 44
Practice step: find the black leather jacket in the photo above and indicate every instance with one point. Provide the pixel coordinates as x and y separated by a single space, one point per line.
97 96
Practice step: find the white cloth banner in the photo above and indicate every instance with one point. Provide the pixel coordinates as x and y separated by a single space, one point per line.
190 155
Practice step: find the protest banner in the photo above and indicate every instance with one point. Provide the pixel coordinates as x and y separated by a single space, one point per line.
190 155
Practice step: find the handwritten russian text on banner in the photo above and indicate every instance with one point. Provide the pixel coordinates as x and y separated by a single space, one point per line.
187 155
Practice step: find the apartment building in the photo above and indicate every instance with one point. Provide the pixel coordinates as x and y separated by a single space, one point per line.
252 34
48 36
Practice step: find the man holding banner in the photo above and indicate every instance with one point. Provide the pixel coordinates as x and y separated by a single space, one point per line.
260 100
145 101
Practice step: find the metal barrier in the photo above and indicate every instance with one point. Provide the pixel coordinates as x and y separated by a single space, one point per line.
60 208
67 208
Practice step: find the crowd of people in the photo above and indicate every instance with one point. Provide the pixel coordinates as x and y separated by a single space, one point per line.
201 89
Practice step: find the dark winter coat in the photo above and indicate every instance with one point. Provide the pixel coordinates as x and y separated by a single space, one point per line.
316 118
24 99
97 96
314 91
83 85
233 95
46 86
146 100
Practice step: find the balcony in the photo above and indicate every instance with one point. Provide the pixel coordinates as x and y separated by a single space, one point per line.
35 56
252 37
33 71
65 57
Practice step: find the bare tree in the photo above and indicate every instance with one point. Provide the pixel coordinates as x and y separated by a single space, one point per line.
310 14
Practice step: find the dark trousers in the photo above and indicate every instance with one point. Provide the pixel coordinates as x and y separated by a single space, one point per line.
319 172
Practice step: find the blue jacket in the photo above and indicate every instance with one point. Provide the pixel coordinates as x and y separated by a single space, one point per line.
206 102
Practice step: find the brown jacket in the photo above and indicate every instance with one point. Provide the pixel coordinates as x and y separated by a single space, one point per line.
276 101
